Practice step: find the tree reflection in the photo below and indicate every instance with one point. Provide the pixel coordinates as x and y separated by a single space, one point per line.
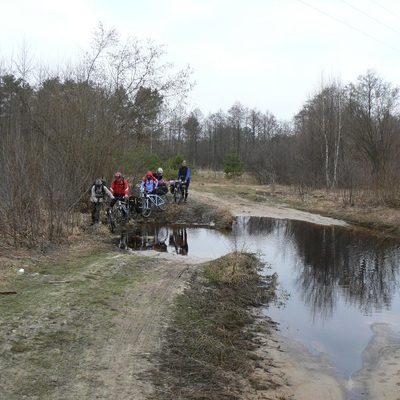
254 226
332 262
336 261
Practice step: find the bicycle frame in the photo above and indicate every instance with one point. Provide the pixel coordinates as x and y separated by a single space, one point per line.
152 199
156 199
122 211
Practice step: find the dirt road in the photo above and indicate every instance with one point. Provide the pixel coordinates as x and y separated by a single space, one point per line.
118 368
240 206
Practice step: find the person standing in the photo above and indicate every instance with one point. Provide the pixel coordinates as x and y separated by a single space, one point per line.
119 188
97 194
184 176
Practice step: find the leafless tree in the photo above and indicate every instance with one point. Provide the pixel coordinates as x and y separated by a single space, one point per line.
321 123
373 125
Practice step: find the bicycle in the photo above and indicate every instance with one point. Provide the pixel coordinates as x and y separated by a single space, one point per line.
118 214
179 191
122 212
153 200
111 220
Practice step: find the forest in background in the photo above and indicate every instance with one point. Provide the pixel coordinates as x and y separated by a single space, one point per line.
122 107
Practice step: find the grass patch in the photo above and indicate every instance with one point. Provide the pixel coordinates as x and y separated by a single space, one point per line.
55 316
208 351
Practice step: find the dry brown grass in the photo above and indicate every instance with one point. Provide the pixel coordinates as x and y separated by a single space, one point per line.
208 176
209 348
83 242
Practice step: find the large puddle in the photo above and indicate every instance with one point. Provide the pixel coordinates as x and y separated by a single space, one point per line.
335 284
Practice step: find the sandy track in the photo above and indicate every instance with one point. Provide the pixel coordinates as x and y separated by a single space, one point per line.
243 207
117 368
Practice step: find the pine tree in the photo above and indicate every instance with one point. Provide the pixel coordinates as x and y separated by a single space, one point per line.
233 165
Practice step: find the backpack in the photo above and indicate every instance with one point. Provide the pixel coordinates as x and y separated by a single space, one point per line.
98 188
137 203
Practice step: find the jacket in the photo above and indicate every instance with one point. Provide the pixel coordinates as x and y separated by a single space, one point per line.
148 185
120 187
95 199
183 173
160 178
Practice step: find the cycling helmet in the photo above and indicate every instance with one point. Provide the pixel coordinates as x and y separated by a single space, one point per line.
149 174
160 171
98 182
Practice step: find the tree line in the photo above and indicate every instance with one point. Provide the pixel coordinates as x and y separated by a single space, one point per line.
122 107
345 137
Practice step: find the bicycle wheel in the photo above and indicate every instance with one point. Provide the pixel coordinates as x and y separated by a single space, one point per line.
111 221
146 209
177 195
163 202
181 194
185 194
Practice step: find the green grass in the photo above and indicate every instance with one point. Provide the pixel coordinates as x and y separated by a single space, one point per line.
55 316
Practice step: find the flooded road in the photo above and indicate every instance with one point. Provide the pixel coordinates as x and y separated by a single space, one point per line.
335 284
337 287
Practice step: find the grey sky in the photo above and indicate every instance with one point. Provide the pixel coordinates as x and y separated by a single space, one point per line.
266 54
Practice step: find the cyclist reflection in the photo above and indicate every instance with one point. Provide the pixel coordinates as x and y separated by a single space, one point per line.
178 239
146 240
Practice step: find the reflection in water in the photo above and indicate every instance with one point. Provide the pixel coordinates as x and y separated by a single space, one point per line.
339 277
327 263
331 262
155 237
337 261
344 280
145 237
178 239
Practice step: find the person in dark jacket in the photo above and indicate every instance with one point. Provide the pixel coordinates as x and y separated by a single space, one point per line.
97 194
184 176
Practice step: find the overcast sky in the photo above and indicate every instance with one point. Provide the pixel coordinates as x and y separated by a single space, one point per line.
266 54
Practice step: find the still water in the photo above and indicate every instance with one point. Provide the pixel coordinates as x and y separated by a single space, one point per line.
334 282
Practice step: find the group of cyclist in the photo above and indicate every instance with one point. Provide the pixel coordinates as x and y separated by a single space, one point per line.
152 182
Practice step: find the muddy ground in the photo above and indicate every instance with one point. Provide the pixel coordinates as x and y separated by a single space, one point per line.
99 313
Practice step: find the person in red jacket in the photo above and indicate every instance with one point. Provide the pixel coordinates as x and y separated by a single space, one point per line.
149 183
119 188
